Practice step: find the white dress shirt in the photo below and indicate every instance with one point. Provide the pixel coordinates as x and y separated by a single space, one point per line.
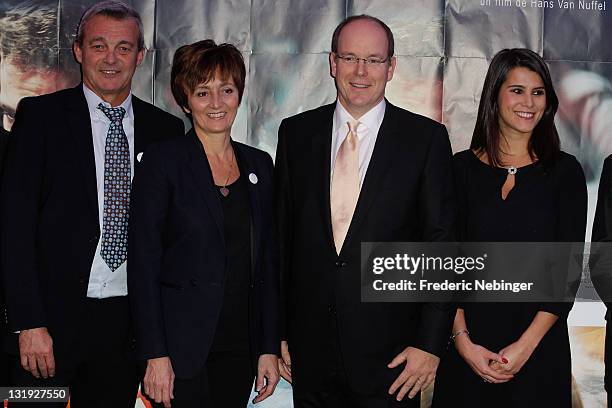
367 132
103 283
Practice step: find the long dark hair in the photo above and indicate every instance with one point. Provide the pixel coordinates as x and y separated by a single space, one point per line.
544 143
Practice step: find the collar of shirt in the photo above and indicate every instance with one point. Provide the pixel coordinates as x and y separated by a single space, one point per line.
367 133
371 122
96 114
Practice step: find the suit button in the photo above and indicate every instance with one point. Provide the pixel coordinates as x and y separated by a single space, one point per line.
331 309
81 280
341 264
94 239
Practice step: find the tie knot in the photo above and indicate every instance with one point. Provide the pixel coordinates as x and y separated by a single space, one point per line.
114 114
353 125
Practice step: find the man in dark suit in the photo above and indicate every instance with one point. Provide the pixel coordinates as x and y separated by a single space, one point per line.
354 171
29 67
4 357
601 261
64 206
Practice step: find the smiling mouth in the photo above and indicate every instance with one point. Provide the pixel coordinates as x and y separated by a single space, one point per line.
359 86
109 71
525 115
216 115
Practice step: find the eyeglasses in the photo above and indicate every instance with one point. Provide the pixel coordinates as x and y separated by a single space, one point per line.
372 61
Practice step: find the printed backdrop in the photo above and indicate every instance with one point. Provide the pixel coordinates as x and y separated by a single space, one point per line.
443 49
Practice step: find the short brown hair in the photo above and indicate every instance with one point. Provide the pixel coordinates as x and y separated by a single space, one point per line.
112 9
198 63
346 21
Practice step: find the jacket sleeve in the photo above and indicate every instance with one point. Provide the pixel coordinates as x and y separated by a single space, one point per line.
20 203
270 343
438 211
571 229
283 220
148 209
600 261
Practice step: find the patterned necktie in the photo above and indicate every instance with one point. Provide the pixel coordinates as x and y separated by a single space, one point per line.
116 190
345 186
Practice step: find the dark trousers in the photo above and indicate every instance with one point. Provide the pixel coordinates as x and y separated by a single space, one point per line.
225 382
335 391
104 372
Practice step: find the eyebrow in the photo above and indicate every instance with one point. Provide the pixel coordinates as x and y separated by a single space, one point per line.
126 42
102 39
208 87
523 86
7 109
353 54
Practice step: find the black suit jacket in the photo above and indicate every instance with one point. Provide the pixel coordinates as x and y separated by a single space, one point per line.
4 137
49 209
177 261
407 195
601 258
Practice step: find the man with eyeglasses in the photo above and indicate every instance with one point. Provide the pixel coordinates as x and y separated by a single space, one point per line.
359 170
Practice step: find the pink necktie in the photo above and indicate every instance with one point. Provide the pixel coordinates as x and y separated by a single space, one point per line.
345 185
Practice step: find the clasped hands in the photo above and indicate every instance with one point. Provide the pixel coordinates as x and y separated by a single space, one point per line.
493 367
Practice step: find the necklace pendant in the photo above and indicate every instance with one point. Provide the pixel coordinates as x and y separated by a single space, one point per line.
512 170
224 191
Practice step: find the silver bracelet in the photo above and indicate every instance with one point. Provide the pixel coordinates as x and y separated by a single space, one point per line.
459 333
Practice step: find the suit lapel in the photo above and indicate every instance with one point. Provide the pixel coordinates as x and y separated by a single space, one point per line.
247 168
321 153
80 129
203 178
382 157
141 132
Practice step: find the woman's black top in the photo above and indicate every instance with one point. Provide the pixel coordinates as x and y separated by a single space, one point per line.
547 204
232 331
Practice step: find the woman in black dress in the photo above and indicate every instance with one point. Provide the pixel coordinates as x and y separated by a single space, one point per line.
514 184
203 261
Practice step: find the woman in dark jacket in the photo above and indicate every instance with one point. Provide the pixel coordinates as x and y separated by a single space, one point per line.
203 273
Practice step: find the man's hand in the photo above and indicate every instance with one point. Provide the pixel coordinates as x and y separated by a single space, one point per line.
267 368
418 374
36 352
479 358
159 380
284 362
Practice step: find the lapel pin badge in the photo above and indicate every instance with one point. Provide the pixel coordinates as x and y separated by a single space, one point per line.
253 178
139 156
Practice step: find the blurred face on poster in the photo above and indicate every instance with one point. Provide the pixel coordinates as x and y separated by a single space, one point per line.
20 81
109 56
522 102
361 66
